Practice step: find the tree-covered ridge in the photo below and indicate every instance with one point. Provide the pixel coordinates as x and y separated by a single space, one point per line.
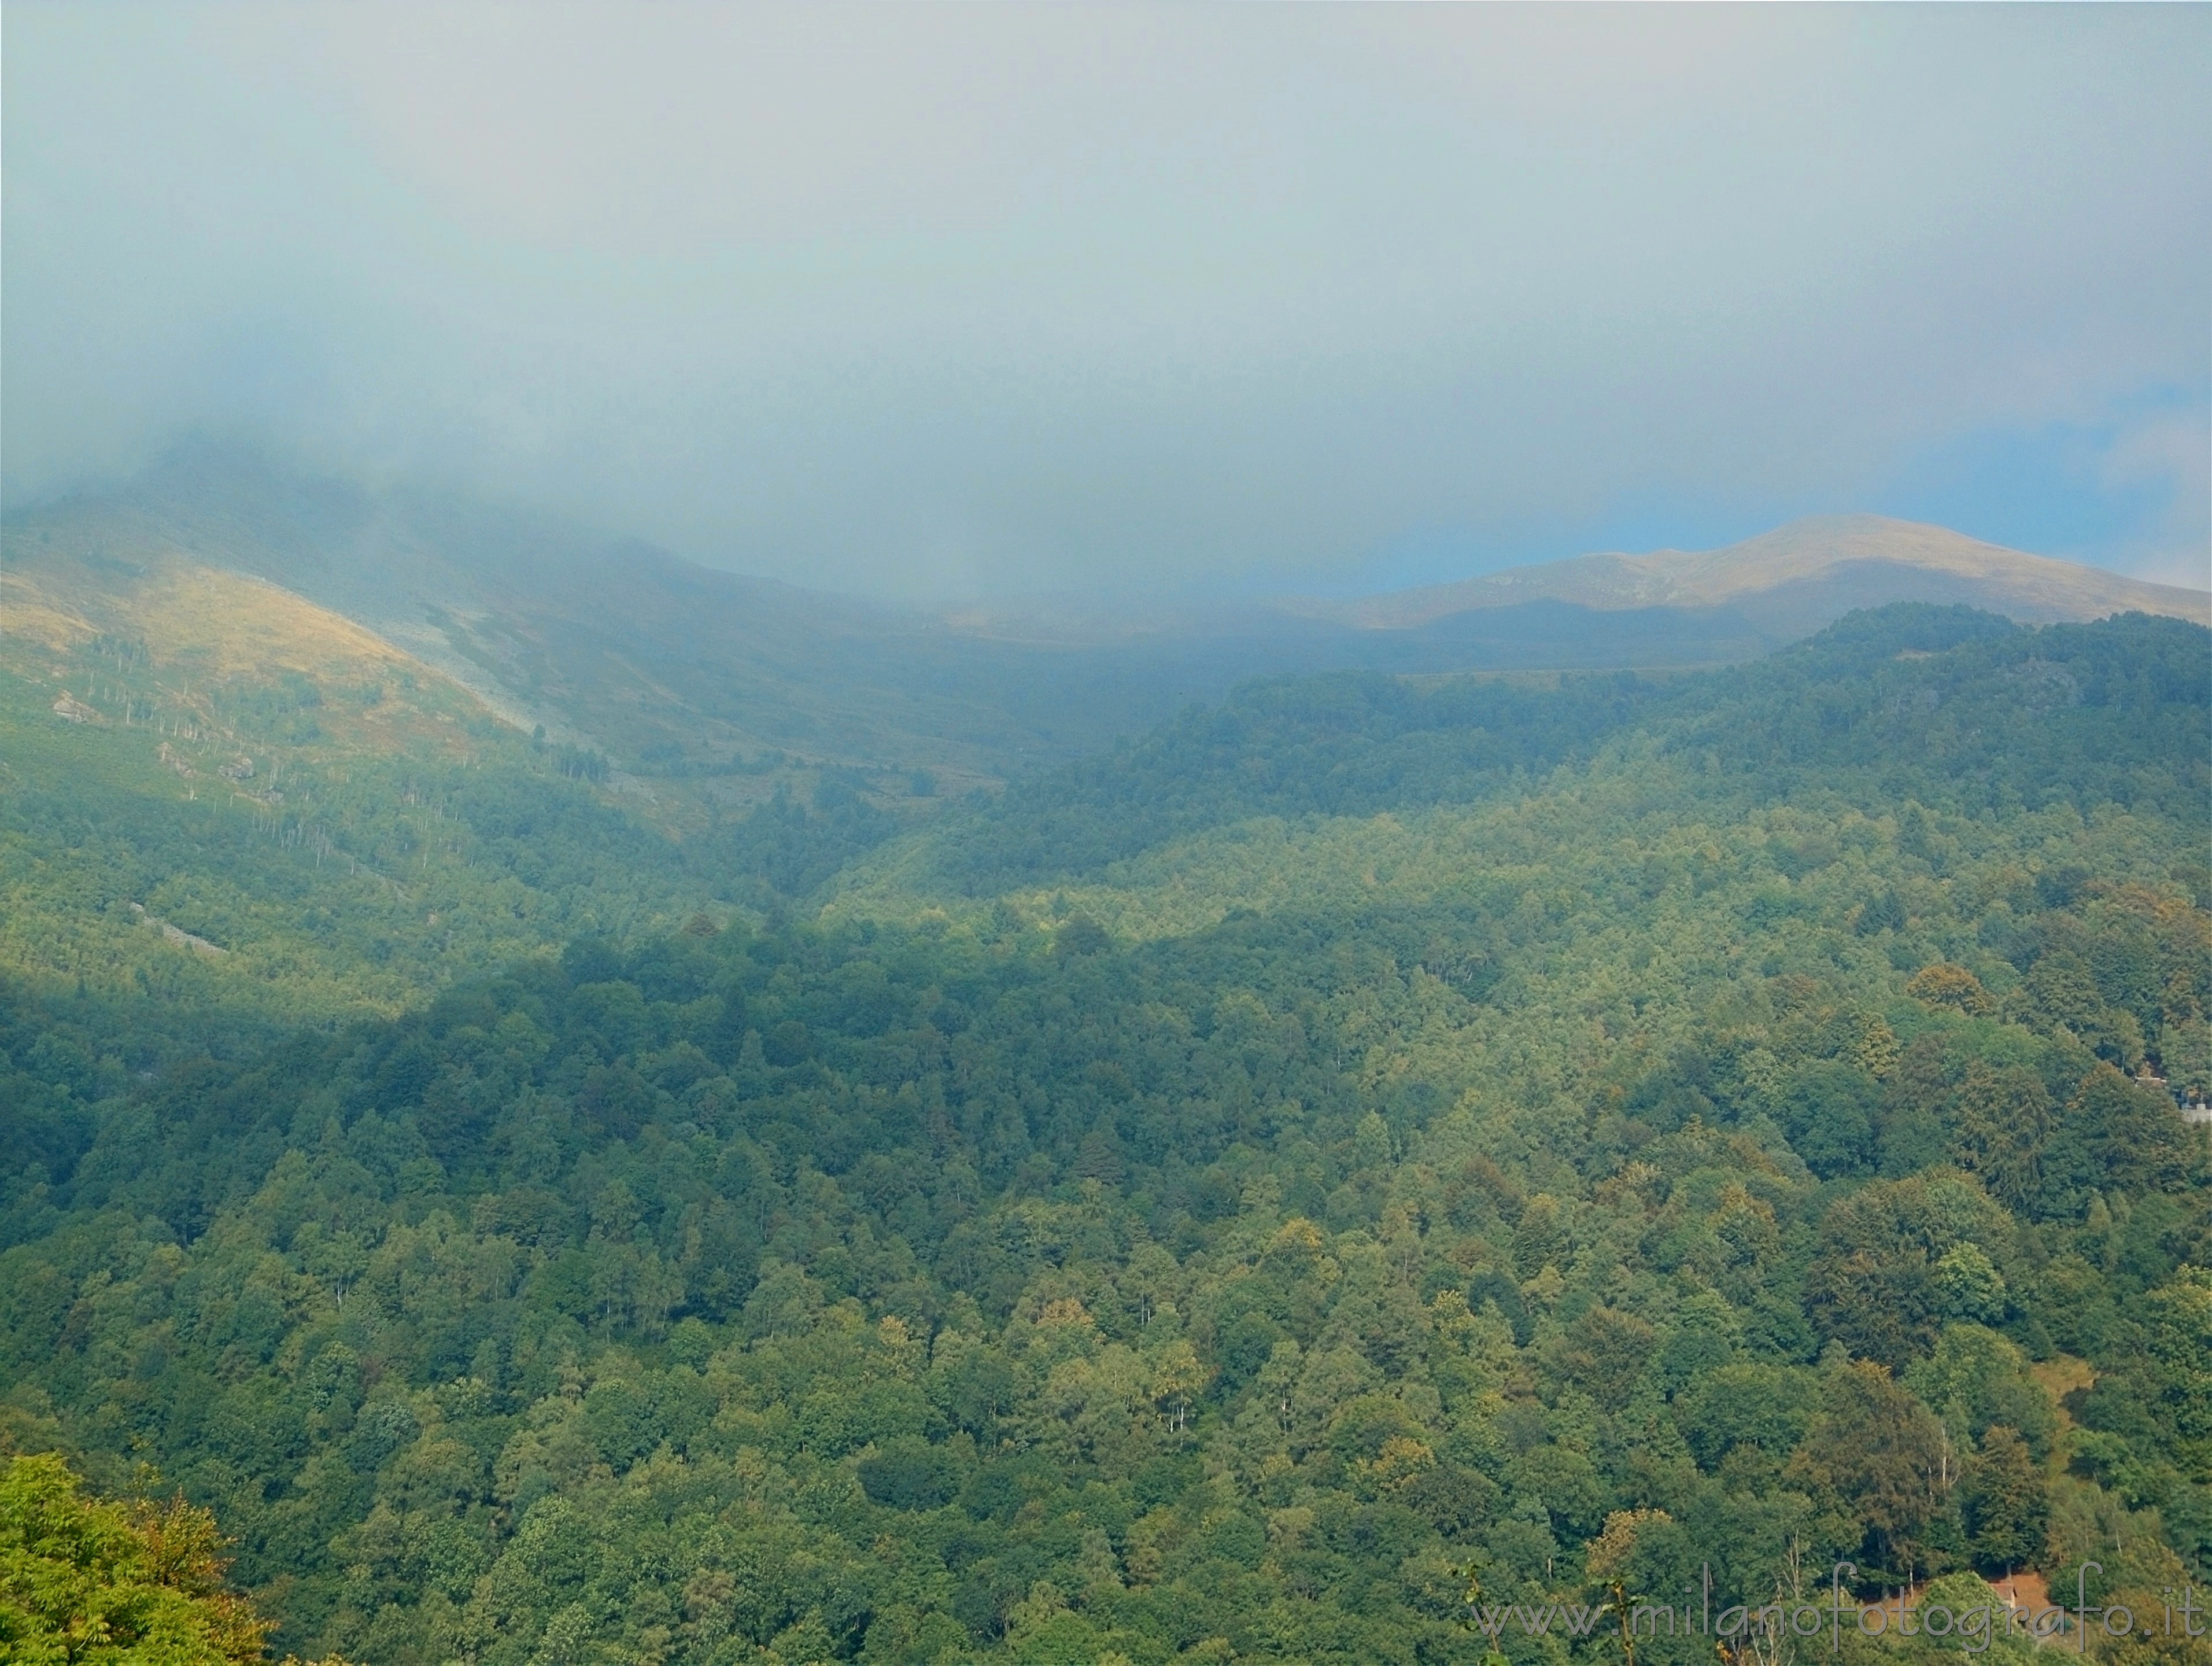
1945 706
1661 1139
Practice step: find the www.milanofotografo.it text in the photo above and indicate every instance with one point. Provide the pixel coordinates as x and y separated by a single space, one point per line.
1973 1626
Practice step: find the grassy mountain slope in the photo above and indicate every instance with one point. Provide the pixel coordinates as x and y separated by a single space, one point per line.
711 692
220 797
1797 578
703 684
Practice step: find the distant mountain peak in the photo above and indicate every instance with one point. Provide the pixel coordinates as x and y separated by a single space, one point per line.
1808 570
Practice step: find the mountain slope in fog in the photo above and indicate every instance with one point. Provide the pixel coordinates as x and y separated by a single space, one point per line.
710 686
1792 581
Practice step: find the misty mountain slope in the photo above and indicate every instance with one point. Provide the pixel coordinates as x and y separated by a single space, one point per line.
709 689
140 603
1936 706
707 686
1796 579
228 808
221 799
678 671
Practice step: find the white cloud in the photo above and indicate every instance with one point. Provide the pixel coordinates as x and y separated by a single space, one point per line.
2168 452
908 295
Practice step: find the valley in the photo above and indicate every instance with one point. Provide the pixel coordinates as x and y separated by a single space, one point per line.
1159 835
1265 1168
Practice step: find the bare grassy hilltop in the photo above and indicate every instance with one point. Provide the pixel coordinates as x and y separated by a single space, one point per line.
1796 579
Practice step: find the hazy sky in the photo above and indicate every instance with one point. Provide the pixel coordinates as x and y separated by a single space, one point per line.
916 298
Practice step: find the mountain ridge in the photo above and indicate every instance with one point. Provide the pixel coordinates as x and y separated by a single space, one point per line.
1821 548
722 688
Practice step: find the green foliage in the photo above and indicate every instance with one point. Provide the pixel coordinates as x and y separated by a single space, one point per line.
82 1580
1382 1151
1939 708
329 881
323 880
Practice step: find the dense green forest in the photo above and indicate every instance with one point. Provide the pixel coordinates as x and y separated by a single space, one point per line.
1369 1143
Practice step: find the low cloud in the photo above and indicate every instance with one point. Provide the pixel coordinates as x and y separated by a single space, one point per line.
912 299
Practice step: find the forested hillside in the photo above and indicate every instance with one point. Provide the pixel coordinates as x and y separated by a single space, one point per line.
1367 1142
225 812
2006 719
